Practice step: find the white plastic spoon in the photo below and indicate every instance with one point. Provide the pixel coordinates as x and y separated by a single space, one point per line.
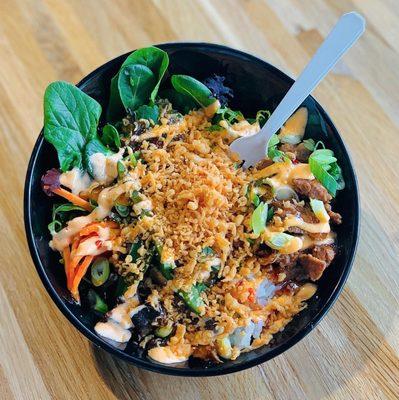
347 30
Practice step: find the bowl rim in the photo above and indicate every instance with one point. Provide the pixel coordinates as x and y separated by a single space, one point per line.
161 368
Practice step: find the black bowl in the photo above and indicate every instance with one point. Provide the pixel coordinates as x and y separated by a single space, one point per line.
256 85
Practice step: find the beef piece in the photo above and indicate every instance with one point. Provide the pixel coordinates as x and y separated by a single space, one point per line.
300 151
312 189
312 265
318 236
287 260
318 261
285 208
266 162
325 253
336 218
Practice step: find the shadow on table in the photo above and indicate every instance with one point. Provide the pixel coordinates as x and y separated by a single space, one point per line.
364 348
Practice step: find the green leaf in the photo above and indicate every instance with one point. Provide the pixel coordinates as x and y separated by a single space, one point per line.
70 121
94 146
195 89
135 84
64 208
258 218
226 113
321 174
154 59
121 169
336 172
122 210
147 112
111 136
134 249
180 101
54 226
270 213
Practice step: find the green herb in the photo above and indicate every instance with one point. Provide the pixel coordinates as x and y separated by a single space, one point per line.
270 213
136 245
100 271
111 136
196 90
135 84
136 197
154 59
59 215
226 113
262 116
166 268
215 127
324 167
251 241
121 169
207 251
258 218
193 298
121 286
122 210
93 203
273 153
70 122
147 112
96 302
309 144
54 226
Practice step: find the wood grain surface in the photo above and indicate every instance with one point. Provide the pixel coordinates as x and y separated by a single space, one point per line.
353 353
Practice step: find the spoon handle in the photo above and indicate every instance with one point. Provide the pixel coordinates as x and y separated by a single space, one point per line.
341 38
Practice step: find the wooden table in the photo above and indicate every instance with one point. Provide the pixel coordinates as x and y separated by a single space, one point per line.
353 353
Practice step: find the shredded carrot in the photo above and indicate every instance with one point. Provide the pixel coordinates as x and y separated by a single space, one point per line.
88 229
80 272
78 201
67 262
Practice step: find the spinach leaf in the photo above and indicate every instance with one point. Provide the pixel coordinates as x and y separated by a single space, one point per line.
111 136
154 59
70 121
94 146
180 101
135 84
195 89
147 112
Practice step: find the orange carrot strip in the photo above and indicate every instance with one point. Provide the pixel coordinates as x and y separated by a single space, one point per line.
80 273
66 253
89 229
78 201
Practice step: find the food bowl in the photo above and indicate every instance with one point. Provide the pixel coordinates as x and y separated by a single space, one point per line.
256 85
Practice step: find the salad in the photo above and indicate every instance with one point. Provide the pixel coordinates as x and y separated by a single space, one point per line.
174 248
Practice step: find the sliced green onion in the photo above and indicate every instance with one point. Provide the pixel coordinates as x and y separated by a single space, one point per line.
279 240
122 210
100 271
258 218
319 210
96 302
164 331
121 169
136 197
134 249
193 298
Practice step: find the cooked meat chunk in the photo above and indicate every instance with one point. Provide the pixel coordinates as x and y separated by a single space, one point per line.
318 261
287 260
324 253
336 218
285 208
312 189
300 151
313 266
266 162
